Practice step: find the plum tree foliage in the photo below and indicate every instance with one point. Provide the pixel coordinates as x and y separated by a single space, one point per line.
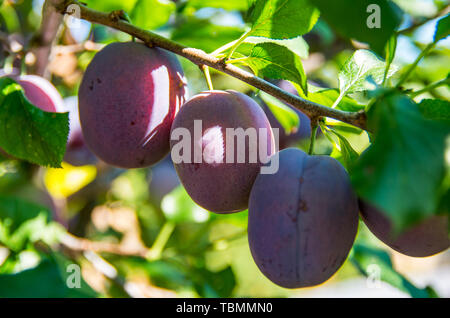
371 143
41 93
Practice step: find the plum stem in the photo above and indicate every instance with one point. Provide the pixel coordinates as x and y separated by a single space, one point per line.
205 70
199 57
314 127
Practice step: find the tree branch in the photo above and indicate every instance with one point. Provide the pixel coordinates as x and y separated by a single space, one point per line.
81 244
200 58
417 25
42 41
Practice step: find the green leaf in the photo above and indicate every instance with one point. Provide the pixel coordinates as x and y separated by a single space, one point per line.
66 268
436 109
285 115
347 155
402 171
178 207
22 222
444 204
19 211
390 49
28 133
297 45
361 65
239 5
389 54
214 284
110 5
202 34
277 62
10 19
327 97
47 280
162 273
355 20
236 219
282 19
442 28
14 174
152 14
376 264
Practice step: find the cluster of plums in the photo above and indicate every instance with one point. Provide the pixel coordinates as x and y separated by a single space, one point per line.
303 219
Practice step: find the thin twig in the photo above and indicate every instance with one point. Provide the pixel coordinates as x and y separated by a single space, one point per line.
81 244
417 25
445 81
412 66
43 40
205 70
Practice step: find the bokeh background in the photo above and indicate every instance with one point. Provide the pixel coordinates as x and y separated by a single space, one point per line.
136 233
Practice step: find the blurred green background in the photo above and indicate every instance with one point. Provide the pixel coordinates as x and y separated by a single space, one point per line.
136 233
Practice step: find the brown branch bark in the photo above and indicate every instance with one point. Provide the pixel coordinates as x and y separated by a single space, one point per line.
81 244
199 57
42 41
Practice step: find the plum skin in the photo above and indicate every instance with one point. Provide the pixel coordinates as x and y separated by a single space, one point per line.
221 187
41 93
128 98
302 220
427 238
